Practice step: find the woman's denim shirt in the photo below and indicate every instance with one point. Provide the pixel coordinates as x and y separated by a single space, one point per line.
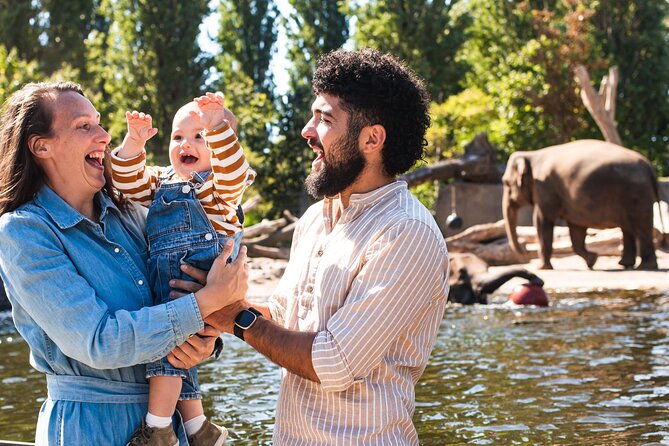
81 299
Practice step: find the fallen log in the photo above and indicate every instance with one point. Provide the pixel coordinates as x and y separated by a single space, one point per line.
255 250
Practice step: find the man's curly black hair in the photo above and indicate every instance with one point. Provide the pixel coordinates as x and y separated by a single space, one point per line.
376 88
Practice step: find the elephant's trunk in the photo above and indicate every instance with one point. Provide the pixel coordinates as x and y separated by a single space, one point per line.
510 212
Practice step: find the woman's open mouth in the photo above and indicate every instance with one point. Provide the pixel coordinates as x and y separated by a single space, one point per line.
95 160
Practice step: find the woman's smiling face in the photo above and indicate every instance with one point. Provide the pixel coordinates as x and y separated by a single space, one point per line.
73 155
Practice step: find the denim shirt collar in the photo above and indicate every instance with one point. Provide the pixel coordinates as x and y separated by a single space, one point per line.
64 215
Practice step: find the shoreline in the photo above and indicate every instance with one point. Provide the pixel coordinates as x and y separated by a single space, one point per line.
570 274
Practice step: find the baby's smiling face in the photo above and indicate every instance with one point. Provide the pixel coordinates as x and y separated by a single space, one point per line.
188 151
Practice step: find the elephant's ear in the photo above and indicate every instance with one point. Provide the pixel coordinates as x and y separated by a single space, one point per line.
522 166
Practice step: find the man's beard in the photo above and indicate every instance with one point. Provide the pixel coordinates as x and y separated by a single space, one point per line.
340 169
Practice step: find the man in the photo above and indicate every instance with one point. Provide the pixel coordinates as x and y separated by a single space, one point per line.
356 313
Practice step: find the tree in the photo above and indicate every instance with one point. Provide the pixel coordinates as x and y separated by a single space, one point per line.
68 25
19 28
522 55
157 63
427 34
634 36
313 28
247 33
14 72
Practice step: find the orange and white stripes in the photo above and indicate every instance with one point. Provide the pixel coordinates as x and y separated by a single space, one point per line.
221 193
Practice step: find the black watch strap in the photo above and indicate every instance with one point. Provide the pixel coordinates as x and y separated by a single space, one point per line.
239 328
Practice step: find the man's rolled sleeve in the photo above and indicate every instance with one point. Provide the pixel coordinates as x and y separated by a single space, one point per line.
330 364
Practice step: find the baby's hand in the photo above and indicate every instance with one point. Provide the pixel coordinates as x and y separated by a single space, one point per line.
212 112
140 126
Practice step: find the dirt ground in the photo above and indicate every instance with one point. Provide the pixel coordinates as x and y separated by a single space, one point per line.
570 274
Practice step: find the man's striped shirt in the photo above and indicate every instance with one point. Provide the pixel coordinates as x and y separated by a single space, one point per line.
373 285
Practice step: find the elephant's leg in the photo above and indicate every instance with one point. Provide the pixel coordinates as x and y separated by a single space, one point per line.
647 251
545 235
629 250
577 235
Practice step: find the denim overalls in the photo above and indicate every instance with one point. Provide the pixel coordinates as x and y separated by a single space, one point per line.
179 232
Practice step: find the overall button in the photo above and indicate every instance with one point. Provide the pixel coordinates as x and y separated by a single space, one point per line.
208 237
185 189
140 282
116 250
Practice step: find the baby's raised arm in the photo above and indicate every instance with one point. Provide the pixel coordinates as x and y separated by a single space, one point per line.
213 113
140 130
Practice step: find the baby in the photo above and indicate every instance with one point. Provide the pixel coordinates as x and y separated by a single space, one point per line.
194 207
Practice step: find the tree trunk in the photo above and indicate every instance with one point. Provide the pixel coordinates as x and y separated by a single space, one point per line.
601 105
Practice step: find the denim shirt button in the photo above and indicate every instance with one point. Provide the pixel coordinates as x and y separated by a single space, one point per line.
117 250
208 237
140 282
185 189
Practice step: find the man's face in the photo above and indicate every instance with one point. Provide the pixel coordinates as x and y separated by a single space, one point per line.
339 161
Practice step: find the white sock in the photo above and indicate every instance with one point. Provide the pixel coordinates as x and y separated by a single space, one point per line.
156 421
194 424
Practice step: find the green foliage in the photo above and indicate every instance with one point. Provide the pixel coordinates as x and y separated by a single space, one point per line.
524 58
313 28
457 121
156 62
19 28
247 33
505 67
68 26
426 34
15 72
635 37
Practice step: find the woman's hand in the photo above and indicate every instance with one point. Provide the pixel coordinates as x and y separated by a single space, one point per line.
196 348
226 282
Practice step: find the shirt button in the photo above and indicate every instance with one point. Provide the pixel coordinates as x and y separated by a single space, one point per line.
116 250
208 237
185 189
140 282
320 252
310 288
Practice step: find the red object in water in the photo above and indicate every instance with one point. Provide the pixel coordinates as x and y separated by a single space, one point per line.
529 294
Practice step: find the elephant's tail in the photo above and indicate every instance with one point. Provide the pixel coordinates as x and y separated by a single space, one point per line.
658 205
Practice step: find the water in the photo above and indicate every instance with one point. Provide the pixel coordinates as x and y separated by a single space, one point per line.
592 369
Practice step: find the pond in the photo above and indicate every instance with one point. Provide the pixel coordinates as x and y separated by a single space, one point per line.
592 369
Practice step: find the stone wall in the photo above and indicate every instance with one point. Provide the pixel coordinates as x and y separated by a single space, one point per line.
480 203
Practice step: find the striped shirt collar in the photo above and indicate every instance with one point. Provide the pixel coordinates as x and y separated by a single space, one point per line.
359 202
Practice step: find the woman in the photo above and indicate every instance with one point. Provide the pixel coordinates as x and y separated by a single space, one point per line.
73 257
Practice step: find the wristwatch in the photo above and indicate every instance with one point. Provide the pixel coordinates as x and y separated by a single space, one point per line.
245 320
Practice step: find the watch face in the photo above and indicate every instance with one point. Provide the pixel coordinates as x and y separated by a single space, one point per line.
245 319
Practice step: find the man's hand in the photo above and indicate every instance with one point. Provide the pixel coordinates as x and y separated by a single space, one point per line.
196 348
212 113
224 319
140 130
226 282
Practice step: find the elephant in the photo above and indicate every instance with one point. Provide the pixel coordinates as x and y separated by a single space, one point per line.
470 282
588 184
